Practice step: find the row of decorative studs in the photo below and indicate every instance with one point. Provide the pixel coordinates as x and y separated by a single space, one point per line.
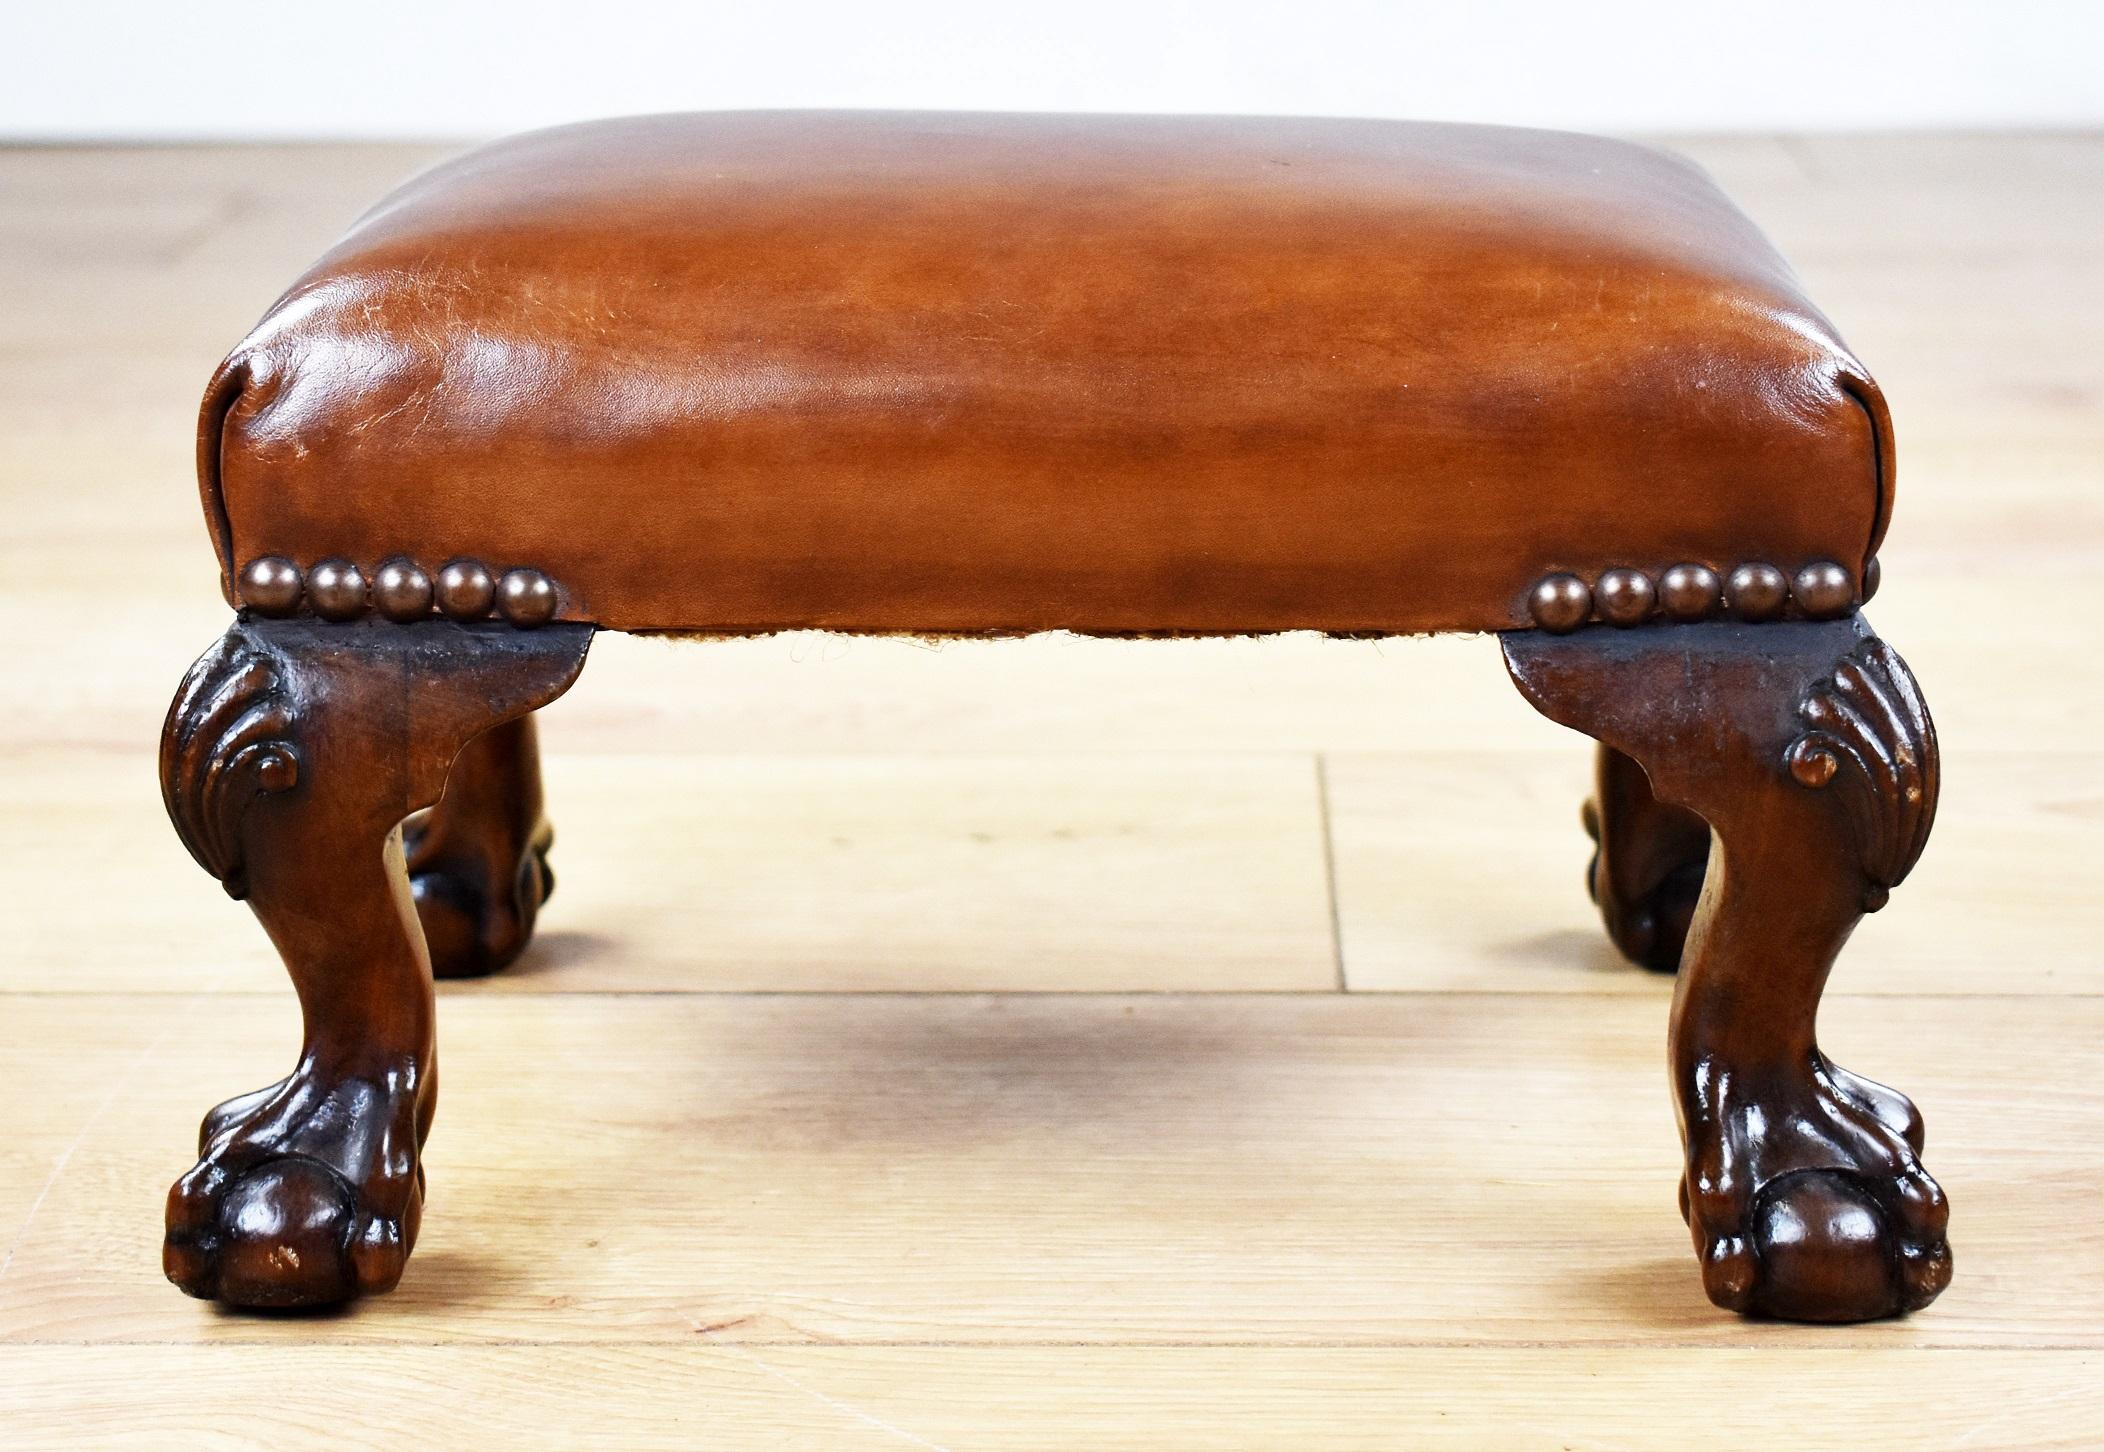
401 589
1822 590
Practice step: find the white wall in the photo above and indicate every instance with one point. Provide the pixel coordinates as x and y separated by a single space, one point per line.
295 68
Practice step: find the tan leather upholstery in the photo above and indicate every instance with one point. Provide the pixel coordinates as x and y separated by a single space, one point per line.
964 373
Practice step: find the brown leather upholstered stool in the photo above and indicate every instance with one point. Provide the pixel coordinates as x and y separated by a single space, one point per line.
989 375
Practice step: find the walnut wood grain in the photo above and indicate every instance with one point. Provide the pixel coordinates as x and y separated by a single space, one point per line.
1810 753
478 861
1649 859
291 756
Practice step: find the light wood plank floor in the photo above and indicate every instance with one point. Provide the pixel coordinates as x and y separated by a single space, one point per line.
1054 1044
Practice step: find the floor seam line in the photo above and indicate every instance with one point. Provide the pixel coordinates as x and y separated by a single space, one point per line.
1428 1344
1329 868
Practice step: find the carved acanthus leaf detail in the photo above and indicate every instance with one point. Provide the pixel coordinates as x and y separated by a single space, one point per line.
1868 737
228 740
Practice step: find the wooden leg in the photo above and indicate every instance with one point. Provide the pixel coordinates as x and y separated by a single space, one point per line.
478 861
291 755
1649 859
1808 750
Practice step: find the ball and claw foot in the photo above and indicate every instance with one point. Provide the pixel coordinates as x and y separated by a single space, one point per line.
1803 755
477 903
1839 1223
305 1194
288 759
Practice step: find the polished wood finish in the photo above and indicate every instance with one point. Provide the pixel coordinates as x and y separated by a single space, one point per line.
990 827
978 448
1808 750
478 861
358 410
1805 747
290 757
1649 859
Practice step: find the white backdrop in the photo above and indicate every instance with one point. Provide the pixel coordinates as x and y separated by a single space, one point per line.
295 68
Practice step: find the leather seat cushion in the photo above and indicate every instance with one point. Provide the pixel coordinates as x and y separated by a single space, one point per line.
988 373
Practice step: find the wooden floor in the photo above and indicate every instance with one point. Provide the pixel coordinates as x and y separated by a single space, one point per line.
1054 1044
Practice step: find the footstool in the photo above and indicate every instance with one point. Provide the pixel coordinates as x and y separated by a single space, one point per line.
952 375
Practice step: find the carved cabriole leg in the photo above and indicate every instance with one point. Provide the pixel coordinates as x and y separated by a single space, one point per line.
291 755
1808 750
1649 859
478 861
